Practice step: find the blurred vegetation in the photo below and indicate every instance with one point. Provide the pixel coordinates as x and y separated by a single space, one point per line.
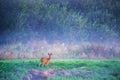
38 49
64 20
30 28
65 69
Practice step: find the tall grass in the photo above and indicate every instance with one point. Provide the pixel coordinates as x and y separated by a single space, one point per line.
64 69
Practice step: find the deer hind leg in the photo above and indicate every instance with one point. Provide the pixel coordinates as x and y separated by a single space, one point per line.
43 64
40 64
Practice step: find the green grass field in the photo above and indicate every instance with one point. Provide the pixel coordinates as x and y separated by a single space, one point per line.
64 69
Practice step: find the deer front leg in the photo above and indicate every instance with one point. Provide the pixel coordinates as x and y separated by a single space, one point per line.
47 64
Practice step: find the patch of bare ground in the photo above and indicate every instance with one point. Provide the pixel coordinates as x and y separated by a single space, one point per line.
34 74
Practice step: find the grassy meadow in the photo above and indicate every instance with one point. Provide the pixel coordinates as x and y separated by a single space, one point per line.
61 69
83 35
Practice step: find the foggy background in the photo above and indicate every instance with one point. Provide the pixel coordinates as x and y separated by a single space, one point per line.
67 28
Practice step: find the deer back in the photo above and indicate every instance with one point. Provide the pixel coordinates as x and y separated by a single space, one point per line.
44 60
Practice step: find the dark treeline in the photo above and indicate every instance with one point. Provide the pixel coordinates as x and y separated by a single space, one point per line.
63 20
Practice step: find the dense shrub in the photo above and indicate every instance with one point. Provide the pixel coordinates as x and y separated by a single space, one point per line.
37 49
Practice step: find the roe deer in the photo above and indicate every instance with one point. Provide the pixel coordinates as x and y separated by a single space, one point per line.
44 61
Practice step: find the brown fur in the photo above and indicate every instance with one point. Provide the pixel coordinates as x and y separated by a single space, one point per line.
44 61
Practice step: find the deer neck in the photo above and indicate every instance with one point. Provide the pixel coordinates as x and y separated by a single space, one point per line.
49 58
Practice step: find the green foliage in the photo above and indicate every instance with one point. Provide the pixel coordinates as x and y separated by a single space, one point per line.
88 69
67 20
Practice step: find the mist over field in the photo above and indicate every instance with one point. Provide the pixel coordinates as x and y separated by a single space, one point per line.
59 39
67 28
